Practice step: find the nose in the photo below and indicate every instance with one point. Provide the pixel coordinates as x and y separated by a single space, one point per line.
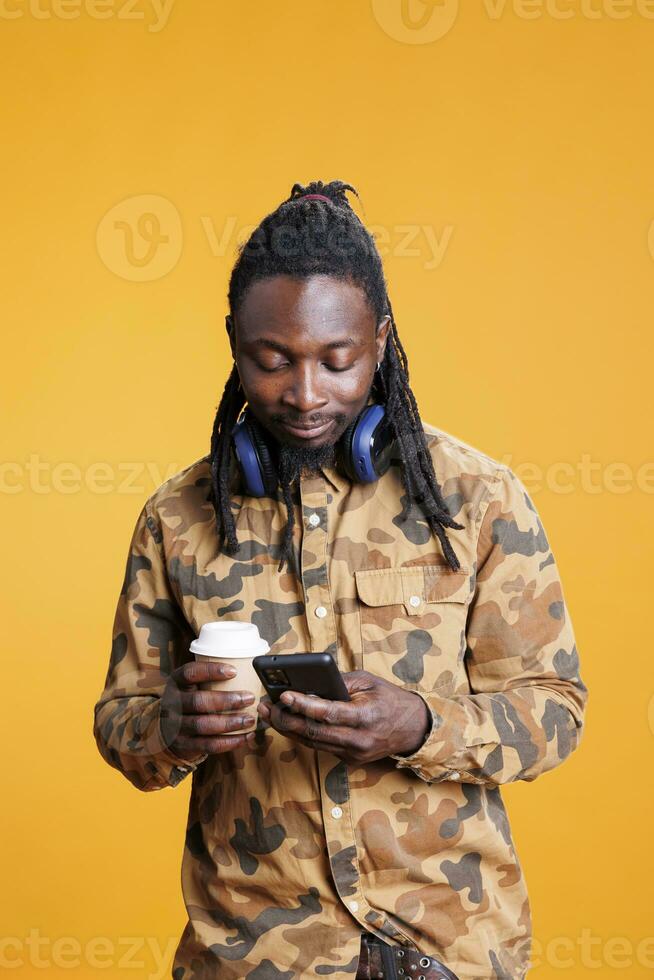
304 394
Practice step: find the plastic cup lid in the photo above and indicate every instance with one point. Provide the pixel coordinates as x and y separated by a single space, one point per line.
229 639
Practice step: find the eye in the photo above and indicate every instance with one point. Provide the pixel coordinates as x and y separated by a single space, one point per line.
332 367
269 370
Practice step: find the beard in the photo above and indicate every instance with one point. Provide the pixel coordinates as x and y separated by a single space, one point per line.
296 460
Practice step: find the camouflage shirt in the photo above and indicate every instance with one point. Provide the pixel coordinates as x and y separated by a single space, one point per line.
290 853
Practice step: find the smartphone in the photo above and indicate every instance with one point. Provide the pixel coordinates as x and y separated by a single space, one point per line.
309 673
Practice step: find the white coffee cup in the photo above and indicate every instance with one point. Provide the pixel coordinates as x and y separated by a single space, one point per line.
235 643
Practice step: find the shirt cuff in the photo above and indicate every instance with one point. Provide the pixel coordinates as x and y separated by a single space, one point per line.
436 759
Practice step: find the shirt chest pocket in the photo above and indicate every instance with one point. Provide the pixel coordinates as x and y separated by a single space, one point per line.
412 621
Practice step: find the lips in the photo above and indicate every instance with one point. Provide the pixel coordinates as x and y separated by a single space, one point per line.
307 432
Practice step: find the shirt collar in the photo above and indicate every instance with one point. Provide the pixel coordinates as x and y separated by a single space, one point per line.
334 477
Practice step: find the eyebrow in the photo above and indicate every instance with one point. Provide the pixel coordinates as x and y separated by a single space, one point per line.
274 345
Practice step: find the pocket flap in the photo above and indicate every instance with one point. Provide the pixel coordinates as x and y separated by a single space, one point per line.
412 586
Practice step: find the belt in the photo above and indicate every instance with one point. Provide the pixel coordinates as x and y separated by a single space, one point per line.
379 960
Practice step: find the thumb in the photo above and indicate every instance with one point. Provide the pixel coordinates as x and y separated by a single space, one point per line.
360 681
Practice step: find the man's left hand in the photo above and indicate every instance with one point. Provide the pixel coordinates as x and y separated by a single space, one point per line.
381 719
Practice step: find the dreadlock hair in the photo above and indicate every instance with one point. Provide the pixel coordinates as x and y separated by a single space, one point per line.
310 237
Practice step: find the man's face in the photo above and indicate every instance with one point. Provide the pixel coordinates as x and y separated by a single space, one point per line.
306 351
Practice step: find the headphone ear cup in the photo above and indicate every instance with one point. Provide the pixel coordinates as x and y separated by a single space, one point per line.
346 451
265 454
367 445
255 456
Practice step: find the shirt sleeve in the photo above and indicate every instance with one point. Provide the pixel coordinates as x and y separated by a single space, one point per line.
151 637
525 714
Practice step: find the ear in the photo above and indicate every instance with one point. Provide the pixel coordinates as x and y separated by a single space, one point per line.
381 336
229 326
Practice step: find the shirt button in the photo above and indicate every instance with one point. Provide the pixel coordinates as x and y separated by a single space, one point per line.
455 775
314 520
321 612
414 600
354 906
337 813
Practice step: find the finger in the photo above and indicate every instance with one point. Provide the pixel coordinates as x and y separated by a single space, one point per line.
217 745
209 725
199 671
213 702
329 712
336 750
289 724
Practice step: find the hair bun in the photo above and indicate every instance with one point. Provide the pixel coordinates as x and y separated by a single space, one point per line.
333 191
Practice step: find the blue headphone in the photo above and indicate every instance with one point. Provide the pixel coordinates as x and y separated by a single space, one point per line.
365 450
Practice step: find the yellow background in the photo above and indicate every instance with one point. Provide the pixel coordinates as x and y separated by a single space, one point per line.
524 145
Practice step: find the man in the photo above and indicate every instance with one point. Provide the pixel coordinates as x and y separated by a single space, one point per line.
362 838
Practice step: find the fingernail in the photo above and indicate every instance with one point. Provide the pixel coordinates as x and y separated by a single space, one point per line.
250 737
287 698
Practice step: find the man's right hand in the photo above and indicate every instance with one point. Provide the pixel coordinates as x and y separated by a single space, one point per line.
193 722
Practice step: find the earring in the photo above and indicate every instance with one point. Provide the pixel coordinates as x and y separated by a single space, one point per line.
378 366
